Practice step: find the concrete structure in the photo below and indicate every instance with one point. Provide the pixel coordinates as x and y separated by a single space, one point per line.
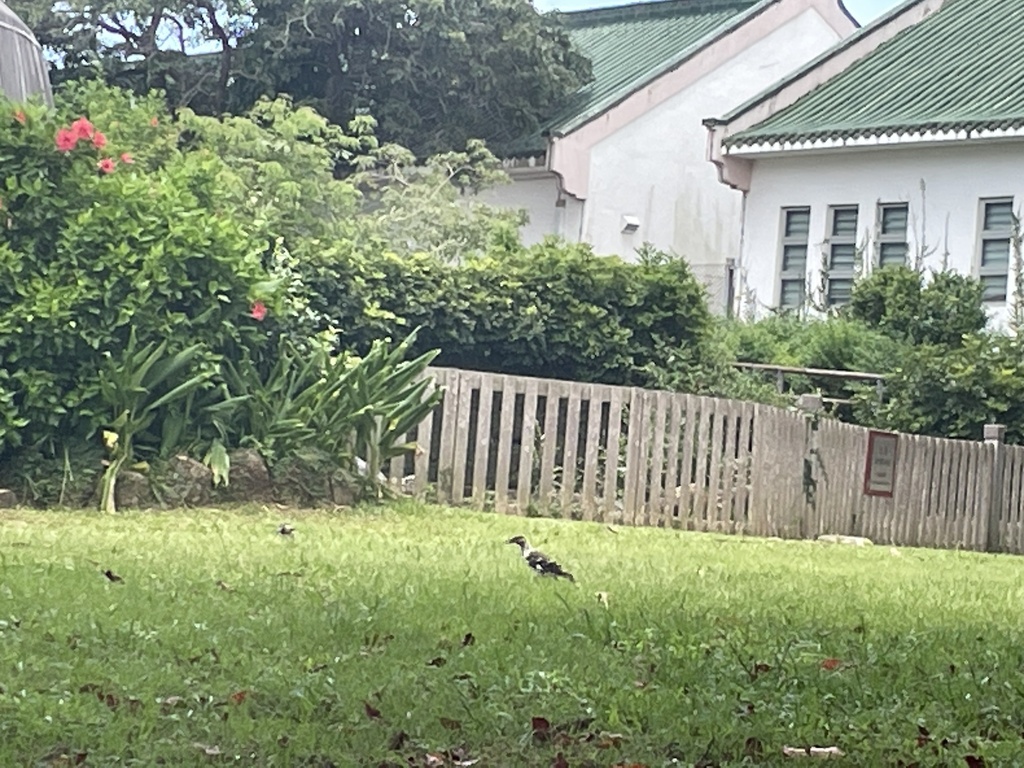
902 145
23 72
624 163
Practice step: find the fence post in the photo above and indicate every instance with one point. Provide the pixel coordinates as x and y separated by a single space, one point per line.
995 435
811 405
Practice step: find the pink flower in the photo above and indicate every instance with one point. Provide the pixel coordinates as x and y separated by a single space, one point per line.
154 122
82 128
106 165
99 140
20 116
258 311
66 140
126 158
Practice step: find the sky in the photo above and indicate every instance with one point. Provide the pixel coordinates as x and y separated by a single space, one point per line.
862 10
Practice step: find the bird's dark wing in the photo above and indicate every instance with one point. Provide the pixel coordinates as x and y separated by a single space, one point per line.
546 566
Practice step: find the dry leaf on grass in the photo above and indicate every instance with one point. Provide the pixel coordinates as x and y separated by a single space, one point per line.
210 750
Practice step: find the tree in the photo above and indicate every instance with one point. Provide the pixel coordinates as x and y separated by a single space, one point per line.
434 74
187 48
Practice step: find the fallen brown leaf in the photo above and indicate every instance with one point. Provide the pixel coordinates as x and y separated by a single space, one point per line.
560 761
451 725
238 697
609 740
974 761
371 711
468 639
753 748
923 736
831 664
398 740
210 750
541 728
437 661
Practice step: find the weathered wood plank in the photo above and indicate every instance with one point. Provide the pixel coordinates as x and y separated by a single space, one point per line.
449 425
688 437
701 459
524 483
501 475
760 486
482 449
421 463
577 392
655 469
549 447
743 462
468 382
592 443
669 499
717 438
612 458
632 501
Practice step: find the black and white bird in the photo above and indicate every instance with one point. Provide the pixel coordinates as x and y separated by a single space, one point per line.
538 561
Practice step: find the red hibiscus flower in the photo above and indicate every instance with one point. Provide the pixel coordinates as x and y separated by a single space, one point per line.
66 140
20 117
82 128
106 165
99 140
258 311
154 122
126 158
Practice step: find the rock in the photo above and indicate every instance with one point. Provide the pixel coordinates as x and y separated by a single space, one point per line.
133 491
343 494
186 482
249 479
8 498
855 541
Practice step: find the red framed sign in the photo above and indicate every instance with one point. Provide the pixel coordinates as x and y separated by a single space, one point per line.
880 467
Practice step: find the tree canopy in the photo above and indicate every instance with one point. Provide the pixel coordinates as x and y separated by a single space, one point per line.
433 74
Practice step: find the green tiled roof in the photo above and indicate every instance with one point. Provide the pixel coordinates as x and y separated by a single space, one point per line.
959 69
628 47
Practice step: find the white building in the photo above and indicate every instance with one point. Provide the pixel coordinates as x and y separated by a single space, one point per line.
902 144
625 162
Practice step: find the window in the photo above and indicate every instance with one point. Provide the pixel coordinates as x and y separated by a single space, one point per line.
796 225
842 253
892 234
994 249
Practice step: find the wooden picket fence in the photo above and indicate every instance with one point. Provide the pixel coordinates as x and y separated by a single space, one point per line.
624 455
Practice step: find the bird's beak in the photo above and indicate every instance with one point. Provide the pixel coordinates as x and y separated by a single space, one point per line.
510 541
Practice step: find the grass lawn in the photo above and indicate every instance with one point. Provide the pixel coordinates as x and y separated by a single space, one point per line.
414 635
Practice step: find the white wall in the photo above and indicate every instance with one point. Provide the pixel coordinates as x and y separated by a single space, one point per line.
536 192
945 219
656 167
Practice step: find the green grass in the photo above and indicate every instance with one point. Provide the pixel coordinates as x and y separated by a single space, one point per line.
708 652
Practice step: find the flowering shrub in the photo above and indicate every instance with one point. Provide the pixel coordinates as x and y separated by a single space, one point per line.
93 245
